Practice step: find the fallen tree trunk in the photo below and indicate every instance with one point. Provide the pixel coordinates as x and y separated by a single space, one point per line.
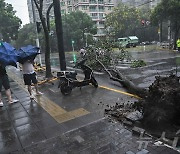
116 75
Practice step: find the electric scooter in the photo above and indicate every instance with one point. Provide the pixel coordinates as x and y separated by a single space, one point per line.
68 80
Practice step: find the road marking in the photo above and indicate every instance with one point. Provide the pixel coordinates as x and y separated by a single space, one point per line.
119 91
115 90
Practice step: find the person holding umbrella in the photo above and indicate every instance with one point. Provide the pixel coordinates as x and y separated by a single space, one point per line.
4 81
8 56
27 55
29 76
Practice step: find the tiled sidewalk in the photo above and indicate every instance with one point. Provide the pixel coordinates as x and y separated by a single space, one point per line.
25 127
100 137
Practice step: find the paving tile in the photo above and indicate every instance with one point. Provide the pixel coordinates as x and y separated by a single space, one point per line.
39 116
25 100
49 143
103 148
15 110
32 105
18 151
32 110
3 109
31 138
4 117
89 118
25 129
45 123
5 125
72 124
7 147
6 135
17 91
15 116
53 131
14 106
22 121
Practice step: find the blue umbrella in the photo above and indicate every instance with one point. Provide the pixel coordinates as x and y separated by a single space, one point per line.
27 53
8 54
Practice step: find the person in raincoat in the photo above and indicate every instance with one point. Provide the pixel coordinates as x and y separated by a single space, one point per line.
29 76
4 82
178 44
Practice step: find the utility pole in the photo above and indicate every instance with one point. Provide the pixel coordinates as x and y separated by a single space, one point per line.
59 32
37 36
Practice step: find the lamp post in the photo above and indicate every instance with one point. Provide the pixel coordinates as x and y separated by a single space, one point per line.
37 36
85 30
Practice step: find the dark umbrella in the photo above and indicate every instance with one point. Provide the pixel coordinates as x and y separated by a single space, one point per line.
8 54
27 53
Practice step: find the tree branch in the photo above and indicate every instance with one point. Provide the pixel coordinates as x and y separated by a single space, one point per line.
117 76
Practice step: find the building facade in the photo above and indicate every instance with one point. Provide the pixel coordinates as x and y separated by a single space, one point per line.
138 3
96 9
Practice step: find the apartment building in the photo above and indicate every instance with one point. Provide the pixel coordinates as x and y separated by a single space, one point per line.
138 3
96 9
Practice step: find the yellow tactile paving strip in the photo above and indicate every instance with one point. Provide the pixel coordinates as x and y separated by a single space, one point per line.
71 115
58 113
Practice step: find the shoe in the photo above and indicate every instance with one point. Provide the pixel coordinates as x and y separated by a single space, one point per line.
1 104
39 93
13 101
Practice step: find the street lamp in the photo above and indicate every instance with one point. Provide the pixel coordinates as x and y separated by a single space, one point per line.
37 36
85 30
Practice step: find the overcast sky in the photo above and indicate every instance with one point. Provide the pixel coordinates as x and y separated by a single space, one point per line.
20 6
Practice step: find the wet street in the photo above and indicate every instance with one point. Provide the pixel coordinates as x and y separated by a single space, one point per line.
54 123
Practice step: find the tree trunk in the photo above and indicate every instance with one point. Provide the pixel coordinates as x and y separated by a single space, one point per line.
47 52
39 7
115 75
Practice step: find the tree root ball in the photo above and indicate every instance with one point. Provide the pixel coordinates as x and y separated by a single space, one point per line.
161 106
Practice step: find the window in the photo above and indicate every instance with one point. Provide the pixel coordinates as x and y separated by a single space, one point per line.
101 8
109 8
84 7
63 11
69 2
101 22
92 8
62 3
92 1
94 15
100 1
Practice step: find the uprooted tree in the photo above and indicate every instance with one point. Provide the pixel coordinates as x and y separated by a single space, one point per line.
159 104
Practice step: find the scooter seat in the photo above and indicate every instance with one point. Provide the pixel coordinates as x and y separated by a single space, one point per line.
68 74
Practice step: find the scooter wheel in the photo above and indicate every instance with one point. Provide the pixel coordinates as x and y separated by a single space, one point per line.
94 82
66 90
